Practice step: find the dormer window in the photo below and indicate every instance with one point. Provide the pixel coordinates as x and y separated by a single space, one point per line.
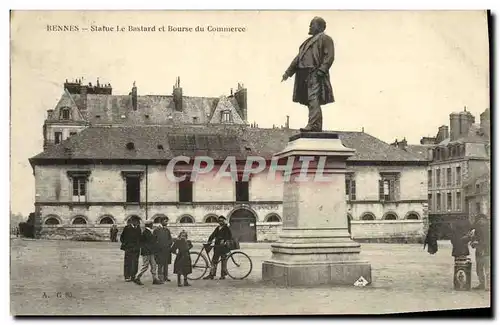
226 116
65 114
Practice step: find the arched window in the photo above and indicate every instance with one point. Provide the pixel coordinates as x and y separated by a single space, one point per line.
211 219
273 218
52 221
368 216
79 221
390 216
412 216
186 219
106 221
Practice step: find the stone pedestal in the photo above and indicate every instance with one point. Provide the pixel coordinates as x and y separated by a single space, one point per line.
314 246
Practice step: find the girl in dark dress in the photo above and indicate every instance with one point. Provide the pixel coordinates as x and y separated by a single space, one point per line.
182 264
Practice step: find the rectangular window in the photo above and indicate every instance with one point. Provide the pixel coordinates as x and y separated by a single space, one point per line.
478 207
448 177
242 193
458 201
458 177
429 199
438 202
449 204
438 177
57 137
350 189
65 114
186 191
387 189
226 116
429 177
133 189
79 189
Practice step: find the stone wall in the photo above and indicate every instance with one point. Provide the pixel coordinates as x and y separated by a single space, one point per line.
363 231
388 230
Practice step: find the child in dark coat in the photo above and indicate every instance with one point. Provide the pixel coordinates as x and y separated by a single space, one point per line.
182 264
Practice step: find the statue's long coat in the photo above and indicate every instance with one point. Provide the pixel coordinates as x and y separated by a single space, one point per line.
317 51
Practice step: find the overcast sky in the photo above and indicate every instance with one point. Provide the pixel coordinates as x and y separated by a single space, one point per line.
397 74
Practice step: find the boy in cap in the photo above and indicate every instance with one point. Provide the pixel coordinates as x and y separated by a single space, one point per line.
221 235
148 249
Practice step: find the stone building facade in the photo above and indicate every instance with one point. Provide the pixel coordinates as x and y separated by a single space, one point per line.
460 155
114 169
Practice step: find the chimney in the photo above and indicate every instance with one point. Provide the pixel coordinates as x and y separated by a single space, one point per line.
83 97
287 125
454 126
427 140
241 99
49 114
177 93
403 144
444 132
134 97
466 121
485 122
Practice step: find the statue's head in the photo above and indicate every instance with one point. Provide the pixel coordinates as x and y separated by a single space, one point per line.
317 25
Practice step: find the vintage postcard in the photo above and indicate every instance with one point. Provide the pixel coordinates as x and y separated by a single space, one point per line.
249 162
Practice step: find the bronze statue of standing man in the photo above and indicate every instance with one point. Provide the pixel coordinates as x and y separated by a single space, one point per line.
312 78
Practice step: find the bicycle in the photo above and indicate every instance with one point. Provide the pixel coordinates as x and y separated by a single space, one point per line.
237 261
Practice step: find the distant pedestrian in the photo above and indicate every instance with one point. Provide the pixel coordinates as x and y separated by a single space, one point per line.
163 255
131 245
431 238
113 233
182 264
480 236
149 247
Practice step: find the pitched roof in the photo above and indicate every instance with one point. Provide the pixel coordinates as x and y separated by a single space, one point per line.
216 141
420 150
152 109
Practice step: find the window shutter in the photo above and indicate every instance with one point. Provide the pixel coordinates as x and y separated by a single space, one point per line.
391 190
381 189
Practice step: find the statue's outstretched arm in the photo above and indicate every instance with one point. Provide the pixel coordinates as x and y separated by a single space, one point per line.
293 67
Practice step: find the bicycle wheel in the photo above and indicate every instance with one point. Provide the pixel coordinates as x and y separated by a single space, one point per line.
200 266
239 265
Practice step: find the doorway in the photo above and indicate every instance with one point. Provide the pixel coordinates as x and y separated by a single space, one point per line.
243 225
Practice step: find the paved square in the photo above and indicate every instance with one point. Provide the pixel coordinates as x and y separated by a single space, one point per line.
85 278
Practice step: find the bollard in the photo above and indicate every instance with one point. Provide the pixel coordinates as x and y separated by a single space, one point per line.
462 274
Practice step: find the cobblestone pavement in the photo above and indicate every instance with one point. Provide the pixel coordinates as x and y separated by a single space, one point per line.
85 278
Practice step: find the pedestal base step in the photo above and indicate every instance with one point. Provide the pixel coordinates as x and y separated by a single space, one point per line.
303 274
